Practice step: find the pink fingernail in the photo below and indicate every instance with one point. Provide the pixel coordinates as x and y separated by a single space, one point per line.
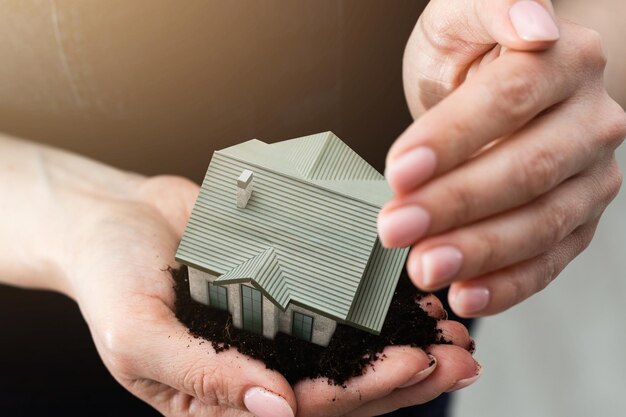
467 381
421 375
263 403
440 265
402 226
533 22
471 300
411 169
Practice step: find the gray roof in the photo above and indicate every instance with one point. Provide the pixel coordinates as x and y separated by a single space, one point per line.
308 234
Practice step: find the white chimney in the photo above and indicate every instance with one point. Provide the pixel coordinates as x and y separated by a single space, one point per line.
244 188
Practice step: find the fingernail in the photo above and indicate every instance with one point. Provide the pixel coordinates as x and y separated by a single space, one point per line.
263 403
402 226
471 300
421 375
440 265
467 381
411 169
533 22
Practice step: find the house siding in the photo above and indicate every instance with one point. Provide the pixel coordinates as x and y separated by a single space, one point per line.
274 320
323 327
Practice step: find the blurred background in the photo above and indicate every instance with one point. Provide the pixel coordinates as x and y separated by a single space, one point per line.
155 86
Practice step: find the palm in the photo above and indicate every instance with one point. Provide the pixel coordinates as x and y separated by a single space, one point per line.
127 297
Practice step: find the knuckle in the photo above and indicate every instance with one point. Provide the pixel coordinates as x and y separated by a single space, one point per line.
462 206
207 384
615 131
517 290
537 172
116 353
436 80
531 277
615 178
490 254
588 44
515 94
555 224
547 271
587 237
605 185
440 30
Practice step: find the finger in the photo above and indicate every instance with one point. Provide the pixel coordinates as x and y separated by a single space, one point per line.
453 34
171 402
499 99
508 175
455 333
432 306
455 369
229 379
395 367
496 292
519 25
450 331
513 236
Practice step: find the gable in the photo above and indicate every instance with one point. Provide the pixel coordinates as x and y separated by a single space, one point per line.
325 157
298 240
264 271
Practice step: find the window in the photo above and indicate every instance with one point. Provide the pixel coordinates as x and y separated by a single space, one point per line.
302 327
252 308
218 297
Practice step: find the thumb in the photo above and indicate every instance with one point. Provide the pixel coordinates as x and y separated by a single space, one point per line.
453 35
225 379
523 25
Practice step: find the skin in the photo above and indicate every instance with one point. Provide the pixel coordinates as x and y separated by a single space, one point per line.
523 135
105 238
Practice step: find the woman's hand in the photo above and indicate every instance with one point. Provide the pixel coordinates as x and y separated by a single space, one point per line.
502 179
117 272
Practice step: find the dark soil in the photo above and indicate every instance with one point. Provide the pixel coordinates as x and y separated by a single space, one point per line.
349 352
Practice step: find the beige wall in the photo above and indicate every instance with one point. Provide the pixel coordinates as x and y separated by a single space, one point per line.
274 320
155 85
323 327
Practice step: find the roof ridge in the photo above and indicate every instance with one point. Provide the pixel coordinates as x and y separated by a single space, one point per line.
256 269
339 162
327 138
253 265
321 184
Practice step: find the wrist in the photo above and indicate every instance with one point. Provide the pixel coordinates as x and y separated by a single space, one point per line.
88 195
52 194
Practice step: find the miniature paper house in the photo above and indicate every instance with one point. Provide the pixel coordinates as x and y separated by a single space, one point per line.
284 237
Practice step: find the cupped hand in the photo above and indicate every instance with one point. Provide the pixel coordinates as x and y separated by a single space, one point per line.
501 180
402 377
118 257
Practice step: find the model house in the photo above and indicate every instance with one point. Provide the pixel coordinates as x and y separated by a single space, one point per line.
283 236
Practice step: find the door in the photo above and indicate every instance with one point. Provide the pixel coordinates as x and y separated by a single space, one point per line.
252 309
